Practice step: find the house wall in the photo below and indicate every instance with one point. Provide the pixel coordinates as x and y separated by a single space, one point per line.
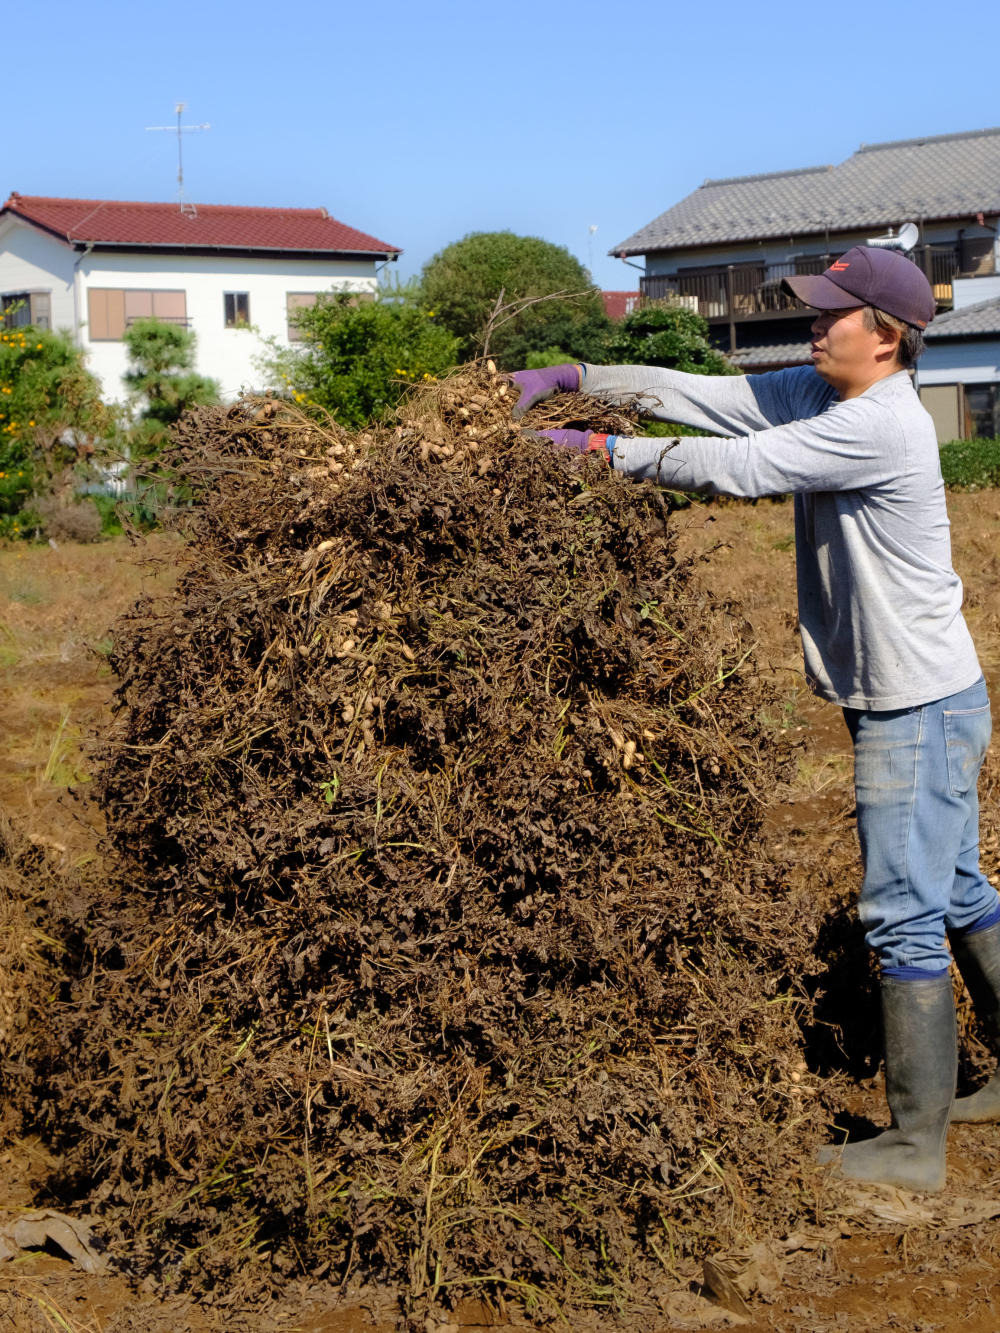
960 361
32 261
226 355
969 291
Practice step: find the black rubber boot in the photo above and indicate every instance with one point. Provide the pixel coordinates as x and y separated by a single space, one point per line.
921 1064
978 959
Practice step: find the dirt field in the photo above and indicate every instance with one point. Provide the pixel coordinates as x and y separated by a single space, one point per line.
906 1270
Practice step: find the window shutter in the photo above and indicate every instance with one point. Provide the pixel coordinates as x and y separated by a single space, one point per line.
97 313
41 310
170 306
138 305
294 302
105 313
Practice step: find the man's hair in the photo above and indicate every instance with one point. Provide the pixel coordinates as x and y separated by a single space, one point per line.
911 340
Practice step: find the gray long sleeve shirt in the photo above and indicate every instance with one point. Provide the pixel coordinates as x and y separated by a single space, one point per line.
880 607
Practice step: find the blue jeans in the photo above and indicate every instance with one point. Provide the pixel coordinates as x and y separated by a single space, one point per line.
915 774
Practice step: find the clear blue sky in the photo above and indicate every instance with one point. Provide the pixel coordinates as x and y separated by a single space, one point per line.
422 122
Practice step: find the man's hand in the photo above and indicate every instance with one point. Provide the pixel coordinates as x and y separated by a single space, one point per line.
580 441
534 385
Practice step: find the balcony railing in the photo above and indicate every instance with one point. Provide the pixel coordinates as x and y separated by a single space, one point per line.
743 292
941 263
180 320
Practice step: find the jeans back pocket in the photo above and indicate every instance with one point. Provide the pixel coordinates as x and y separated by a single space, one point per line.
967 738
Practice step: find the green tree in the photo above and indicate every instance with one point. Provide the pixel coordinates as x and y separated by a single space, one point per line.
661 334
357 360
464 283
161 379
51 414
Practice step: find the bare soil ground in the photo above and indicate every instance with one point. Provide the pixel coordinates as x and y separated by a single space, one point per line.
913 1267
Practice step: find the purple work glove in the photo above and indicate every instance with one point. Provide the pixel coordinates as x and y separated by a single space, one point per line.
581 441
534 385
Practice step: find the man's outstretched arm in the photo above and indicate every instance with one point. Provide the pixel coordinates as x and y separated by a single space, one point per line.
719 404
854 445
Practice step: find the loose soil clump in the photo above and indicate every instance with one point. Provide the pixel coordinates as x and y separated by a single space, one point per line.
441 950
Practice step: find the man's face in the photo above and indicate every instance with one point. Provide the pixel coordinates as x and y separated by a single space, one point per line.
846 354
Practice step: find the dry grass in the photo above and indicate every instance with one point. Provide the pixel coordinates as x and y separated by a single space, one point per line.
29 1304
55 608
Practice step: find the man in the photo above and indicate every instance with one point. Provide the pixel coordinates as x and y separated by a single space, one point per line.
883 637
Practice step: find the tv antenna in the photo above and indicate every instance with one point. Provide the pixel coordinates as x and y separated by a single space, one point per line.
180 130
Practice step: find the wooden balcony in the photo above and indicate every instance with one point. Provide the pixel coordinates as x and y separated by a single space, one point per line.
740 293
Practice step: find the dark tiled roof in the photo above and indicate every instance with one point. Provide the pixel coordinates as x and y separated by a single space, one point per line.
881 185
981 318
109 222
774 354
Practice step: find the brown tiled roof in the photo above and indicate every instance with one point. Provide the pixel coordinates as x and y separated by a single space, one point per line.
881 185
618 304
111 222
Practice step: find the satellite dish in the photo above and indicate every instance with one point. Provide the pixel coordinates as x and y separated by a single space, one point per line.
909 234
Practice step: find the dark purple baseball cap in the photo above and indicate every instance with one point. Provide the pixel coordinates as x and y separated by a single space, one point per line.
867 275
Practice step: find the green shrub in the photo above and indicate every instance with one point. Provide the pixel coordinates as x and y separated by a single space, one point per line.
50 414
662 334
550 304
549 356
357 360
107 507
667 429
161 380
971 465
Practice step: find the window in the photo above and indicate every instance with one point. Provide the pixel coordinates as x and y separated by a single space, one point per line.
963 411
19 309
237 309
294 302
976 255
111 310
982 410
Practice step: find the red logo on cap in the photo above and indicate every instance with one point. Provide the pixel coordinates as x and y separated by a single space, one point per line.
839 266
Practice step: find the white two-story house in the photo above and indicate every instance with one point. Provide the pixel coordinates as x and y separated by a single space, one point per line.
233 275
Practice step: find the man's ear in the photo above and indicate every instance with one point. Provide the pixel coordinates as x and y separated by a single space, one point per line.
888 344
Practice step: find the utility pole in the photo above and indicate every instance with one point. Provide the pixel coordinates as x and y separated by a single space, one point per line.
180 131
